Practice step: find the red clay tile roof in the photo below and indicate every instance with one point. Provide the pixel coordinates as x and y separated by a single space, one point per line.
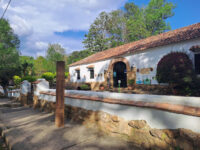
178 35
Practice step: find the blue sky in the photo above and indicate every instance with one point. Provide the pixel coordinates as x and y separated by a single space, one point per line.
186 12
40 22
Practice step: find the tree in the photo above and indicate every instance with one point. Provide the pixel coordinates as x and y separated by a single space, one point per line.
54 53
76 56
156 14
26 63
108 30
136 27
40 65
129 24
9 54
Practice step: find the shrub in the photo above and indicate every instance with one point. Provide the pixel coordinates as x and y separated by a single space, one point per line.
175 68
85 87
17 80
54 75
66 74
29 78
49 76
131 82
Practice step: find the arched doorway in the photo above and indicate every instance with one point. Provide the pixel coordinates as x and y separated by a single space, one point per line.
120 73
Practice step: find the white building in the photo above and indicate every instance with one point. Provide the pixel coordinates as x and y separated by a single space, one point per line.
136 60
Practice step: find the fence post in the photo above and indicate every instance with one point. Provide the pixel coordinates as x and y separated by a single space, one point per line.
60 82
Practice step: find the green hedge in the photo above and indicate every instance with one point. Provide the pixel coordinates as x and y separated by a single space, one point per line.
49 76
29 78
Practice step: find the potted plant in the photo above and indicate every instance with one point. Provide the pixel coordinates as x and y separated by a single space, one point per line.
147 81
101 87
131 83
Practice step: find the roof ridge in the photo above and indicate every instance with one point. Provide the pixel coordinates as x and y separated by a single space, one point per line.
150 42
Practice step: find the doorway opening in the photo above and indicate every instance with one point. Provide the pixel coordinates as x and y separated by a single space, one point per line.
120 74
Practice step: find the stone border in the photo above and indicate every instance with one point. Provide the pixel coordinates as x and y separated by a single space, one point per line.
175 108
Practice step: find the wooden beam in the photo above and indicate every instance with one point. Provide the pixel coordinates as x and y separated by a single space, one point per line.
60 83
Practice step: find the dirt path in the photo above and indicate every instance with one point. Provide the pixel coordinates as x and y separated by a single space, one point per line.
28 129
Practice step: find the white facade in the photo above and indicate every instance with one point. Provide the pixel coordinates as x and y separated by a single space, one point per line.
141 59
99 68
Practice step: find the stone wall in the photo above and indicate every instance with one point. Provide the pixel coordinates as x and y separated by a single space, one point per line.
135 131
153 89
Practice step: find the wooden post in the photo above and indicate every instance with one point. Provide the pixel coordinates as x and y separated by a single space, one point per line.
60 82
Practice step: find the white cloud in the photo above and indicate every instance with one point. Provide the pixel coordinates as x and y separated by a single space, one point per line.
21 26
35 21
41 45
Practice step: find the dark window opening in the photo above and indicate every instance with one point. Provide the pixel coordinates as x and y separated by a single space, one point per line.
197 63
78 74
91 73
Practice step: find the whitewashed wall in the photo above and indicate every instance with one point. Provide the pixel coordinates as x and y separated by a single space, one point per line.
99 68
14 93
155 118
25 87
41 86
1 90
144 59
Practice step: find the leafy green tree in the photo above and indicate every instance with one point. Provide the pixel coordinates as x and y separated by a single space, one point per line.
78 55
108 30
27 65
156 14
136 27
9 54
54 53
129 24
40 65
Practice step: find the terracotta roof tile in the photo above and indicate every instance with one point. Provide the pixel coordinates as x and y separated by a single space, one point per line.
178 35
